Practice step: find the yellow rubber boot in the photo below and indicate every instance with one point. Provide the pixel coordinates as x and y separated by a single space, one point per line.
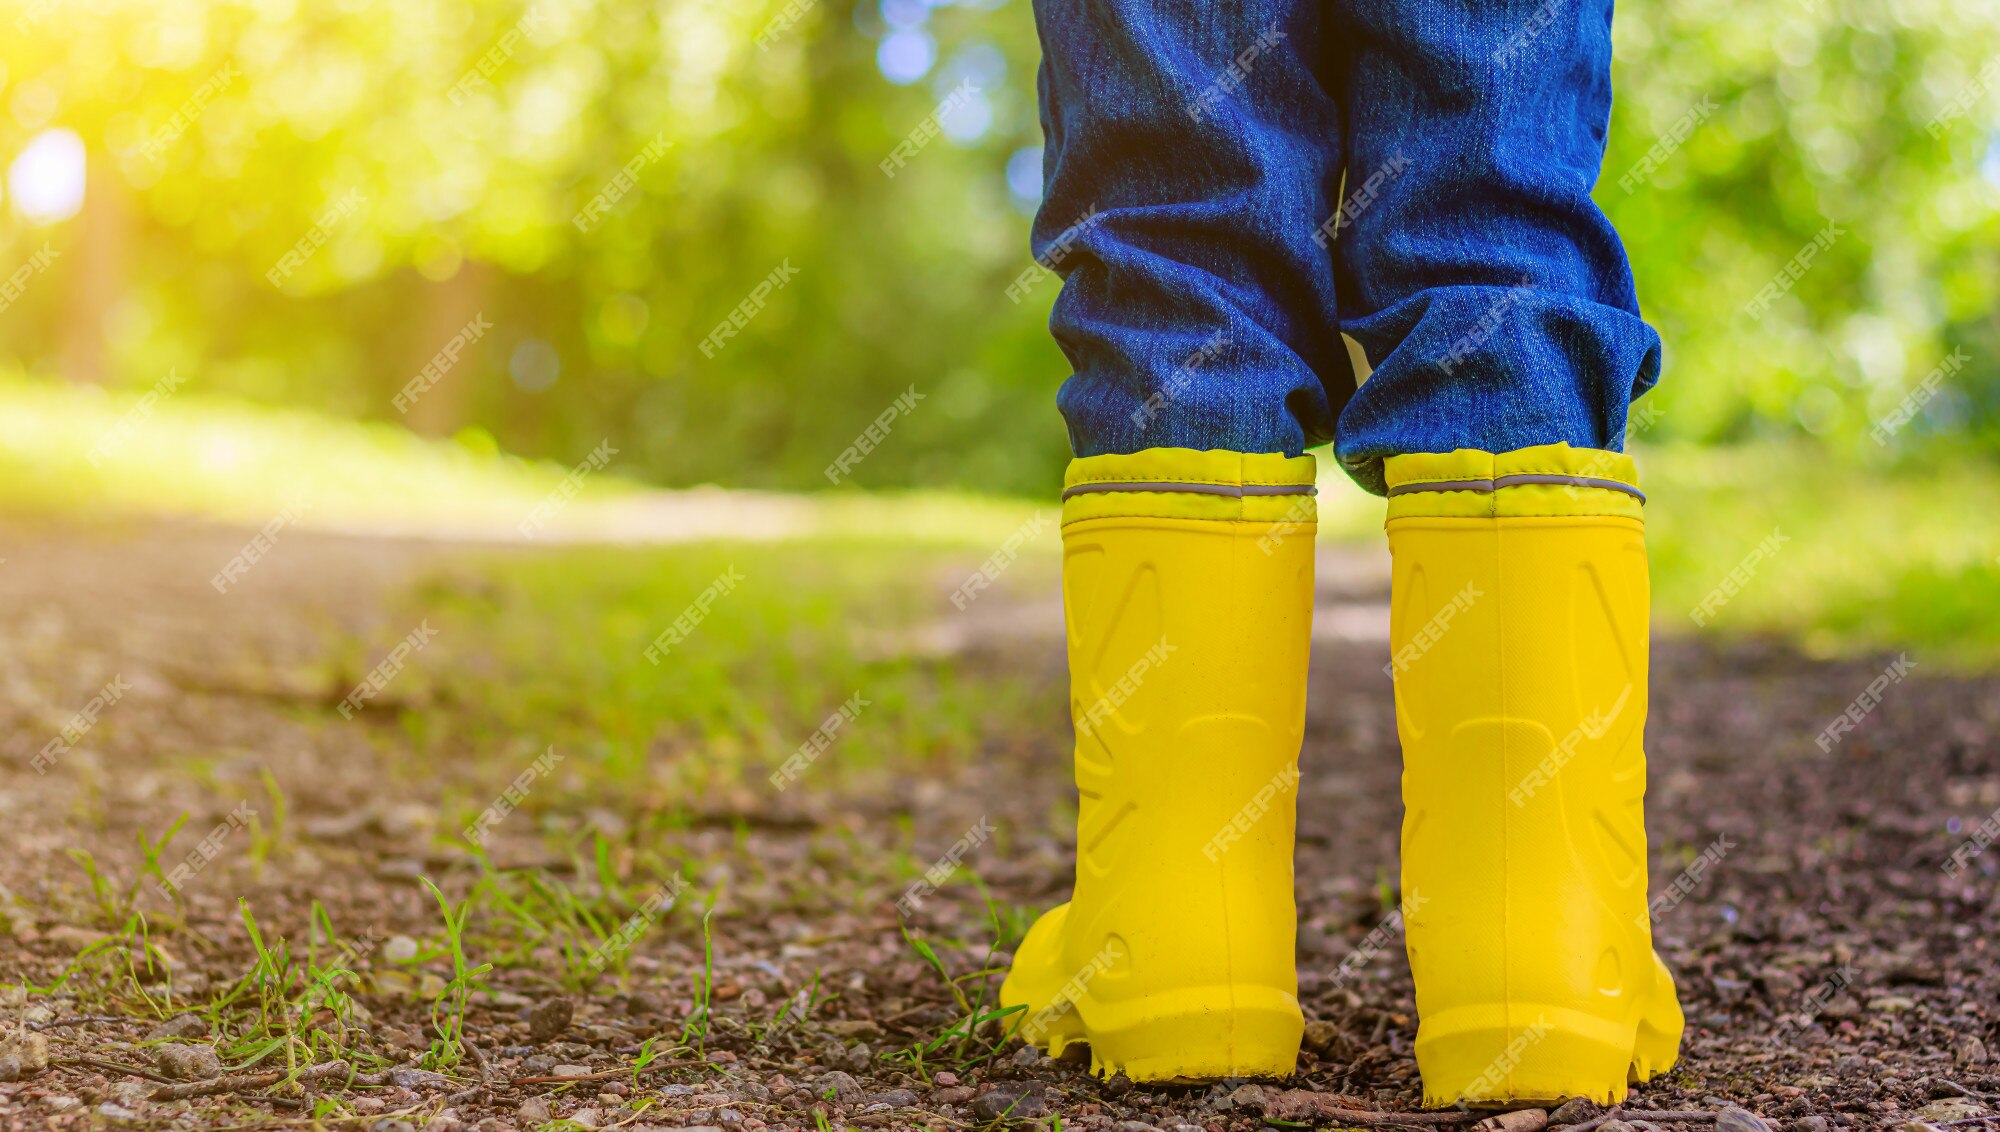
1518 646
1187 588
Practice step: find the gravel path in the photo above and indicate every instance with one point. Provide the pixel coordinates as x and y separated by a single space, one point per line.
1835 972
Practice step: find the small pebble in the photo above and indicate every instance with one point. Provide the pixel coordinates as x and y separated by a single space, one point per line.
549 1018
179 1026
844 1086
1734 1119
1520 1120
1575 1110
1010 1101
23 1056
187 1063
894 1098
1320 1035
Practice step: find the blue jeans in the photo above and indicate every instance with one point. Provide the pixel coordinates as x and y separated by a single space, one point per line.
1284 222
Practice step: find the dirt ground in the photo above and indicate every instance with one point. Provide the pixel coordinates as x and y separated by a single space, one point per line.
1835 973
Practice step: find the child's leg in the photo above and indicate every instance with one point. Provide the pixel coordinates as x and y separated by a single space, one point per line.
1189 149
1488 292
1497 307
1189 144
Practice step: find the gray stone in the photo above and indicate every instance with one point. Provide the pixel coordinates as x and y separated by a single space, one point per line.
844 1086
1575 1110
179 1026
894 1098
135 1095
187 1063
1519 1120
1739 1120
533 1111
1010 1101
23 1056
548 1019
1028 1057
417 1079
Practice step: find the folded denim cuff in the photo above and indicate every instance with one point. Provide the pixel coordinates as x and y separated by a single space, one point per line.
1183 483
1547 480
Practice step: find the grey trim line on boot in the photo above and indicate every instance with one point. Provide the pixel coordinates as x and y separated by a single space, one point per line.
1236 491
1516 480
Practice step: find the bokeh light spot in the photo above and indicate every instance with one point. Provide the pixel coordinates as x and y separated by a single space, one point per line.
906 56
47 178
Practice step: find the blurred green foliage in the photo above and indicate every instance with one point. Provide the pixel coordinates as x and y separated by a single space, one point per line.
219 133
1873 117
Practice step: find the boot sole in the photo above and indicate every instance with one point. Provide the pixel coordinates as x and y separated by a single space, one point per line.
1523 1053
1195 1035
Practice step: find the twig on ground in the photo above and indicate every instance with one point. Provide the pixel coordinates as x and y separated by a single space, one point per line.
478 1059
1369 1118
607 1074
79 1020
242 1081
1616 1113
112 1067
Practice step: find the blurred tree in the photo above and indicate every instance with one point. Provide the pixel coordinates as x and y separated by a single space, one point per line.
306 203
